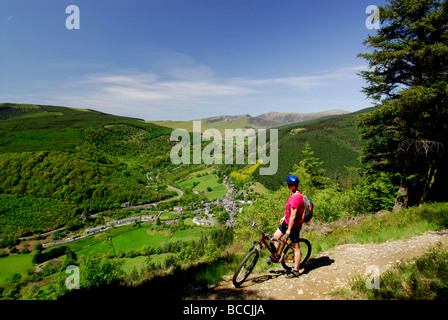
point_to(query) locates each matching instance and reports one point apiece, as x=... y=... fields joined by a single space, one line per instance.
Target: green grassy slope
x=34 y=128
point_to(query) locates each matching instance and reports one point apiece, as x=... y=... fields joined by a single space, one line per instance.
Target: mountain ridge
x=273 y=118
x=263 y=121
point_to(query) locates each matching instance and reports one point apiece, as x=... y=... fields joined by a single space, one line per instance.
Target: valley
x=97 y=191
x=89 y=182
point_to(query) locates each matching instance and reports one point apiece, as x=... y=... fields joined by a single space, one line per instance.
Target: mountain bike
x=285 y=254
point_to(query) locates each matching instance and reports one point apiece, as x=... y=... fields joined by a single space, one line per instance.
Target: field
x=139 y=262
x=132 y=237
x=15 y=263
x=201 y=181
x=123 y=239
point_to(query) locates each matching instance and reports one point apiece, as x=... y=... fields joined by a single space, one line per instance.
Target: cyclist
x=291 y=224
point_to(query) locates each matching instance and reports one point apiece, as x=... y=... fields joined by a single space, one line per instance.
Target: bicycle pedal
x=269 y=261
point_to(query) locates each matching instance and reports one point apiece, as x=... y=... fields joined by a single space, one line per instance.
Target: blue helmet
x=292 y=179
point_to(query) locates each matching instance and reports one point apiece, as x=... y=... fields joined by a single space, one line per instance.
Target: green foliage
x=49 y=254
x=334 y=140
x=312 y=176
x=58 y=163
x=373 y=193
x=24 y=214
x=127 y=140
x=407 y=134
x=171 y=260
x=266 y=212
x=245 y=174
x=206 y=182
x=57 y=128
x=88 y=180
x=98 y=270
x=424 y=278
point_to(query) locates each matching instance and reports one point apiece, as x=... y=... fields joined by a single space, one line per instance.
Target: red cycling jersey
x=295 y=201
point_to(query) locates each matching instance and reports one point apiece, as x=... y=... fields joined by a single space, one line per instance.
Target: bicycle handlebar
x=255 y=226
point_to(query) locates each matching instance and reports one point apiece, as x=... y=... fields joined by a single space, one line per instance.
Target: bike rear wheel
x=245 y=267
x=287 y=259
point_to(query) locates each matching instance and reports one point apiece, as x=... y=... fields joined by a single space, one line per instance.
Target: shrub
x=424 y=278
x=170 y=261
x=97 y=270
x=330 y=204
x=131 y=253
x=40 y=257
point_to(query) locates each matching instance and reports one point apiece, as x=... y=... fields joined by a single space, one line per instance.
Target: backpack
x=308 y=211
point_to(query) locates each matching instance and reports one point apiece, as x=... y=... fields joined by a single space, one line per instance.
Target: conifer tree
x=407 y=134
x=312 y=176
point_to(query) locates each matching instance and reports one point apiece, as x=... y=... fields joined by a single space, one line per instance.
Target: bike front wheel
x=287 y=259
x=245 y=267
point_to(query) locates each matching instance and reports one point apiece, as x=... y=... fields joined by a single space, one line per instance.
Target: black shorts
x=295 y=232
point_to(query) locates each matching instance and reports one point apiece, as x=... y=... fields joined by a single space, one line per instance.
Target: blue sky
x=185 y=59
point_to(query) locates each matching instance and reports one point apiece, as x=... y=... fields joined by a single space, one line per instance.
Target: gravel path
x=328 y=271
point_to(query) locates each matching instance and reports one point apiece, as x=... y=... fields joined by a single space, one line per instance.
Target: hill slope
x=57 y=163
x=32 y=127
x=334 y=140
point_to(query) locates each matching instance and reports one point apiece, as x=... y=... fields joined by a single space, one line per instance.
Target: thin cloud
x=133 y=85
x=306 y=82
x=187 y=83
x=188 y=91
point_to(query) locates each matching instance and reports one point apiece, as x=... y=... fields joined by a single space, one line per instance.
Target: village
x=205 y=215
x=202 y=216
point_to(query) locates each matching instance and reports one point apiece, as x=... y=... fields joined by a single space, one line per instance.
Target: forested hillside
x=58 y=163
x=334 y=140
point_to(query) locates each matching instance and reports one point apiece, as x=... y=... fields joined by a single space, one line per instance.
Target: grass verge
x=398 y=225
x=424 y=278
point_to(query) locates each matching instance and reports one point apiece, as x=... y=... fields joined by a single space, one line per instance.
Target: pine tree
x=312 y=176
x=408 y=78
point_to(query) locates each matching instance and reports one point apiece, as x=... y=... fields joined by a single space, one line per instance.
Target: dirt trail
x=328 y=271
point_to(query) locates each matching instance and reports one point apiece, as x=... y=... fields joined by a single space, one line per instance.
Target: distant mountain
x=263 y=121
x=274 y=119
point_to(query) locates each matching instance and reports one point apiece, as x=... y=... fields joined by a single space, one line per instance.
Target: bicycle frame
x=278 y=256
x=279 y=252
x=264 y=241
